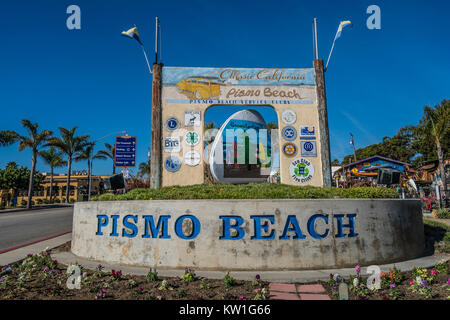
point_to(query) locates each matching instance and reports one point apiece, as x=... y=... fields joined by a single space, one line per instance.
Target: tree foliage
x=434 y=124
x=109 y=152
x=17 y=178
x=414 y=141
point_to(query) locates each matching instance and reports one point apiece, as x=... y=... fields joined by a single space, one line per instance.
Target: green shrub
x=249 y=191
x=23 y=202
x=443 y=213
x=39 y=201
x=56 y=200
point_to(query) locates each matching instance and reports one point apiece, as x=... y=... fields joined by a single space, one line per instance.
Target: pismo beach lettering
x=232 y=227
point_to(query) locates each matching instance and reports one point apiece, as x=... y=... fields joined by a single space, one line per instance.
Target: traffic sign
x=125 y=155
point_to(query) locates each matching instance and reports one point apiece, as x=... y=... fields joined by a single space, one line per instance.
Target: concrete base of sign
x=249 y=234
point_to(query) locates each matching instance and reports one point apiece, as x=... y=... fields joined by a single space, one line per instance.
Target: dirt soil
x=37 y=286
x=40 y=285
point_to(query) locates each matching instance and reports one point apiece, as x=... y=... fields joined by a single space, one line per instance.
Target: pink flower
x=358 y=269
x=242 y=298
x=448 y=281
x=433 y=272
x=411 y=283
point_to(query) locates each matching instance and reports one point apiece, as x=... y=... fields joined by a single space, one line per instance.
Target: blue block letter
x=295 y=227
x=227 y=226
x=114 y=227
x=264 y=226
x=179 y=227
x=101 y=224
x=162 y=223
x=312 y=229
x=130 y=226
x=350 y=225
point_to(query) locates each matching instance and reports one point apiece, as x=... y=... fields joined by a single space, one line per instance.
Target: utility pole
x=323 y=114
x=156 y=152
x=352 y=142
x=156 y=134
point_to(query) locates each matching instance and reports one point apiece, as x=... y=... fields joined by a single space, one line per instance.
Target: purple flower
x=2 y=279
x=448 y=281
x=99 y=267
x=52 y=271
x=358 y=269
x=424 y=283
x=46 y=269
x=392 y=285
x=29 y=255
x=257 y=277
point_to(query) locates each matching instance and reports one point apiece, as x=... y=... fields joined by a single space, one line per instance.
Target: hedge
x=250 y=191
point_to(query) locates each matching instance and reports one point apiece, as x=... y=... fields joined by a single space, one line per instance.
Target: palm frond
x=8 y=137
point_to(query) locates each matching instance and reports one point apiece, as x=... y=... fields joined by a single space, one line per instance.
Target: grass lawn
x=437 y=236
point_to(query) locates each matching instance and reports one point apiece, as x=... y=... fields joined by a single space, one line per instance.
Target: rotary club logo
x=289 y=149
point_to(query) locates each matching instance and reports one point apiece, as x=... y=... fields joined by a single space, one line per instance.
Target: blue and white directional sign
x=125 y=151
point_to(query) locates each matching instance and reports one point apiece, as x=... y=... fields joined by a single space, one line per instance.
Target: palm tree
x=86 y=154
x=34 y=140
x=69 y=144
x=109 y=153
x=54 y=159
x=436 y=121
x=145 y=169
x=7 y=138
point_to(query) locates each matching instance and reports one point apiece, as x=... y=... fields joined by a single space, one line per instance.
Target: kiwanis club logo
x=301 y=170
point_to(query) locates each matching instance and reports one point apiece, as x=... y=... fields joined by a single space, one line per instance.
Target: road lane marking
x=33 y=242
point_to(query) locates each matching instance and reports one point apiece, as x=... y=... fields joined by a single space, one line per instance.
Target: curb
x=33 y=242
x=19 y=253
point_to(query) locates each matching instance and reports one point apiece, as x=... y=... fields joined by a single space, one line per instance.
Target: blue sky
x=93 y=78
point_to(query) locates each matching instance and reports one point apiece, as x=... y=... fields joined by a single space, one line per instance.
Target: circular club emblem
x=289 y=149
x=289 y=133
x=288 y=116
x=301 y=170
x=192 y=158
x=172 y=164
x=308 y=146
x=172 y=124
x=191 y=138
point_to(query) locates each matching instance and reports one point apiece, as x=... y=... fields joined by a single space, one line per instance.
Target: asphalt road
x=21 y=227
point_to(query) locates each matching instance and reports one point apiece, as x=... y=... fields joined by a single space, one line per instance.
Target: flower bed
x=418 y=284
x=40 y=277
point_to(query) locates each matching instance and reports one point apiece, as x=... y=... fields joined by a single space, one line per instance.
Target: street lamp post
x=90 y=177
